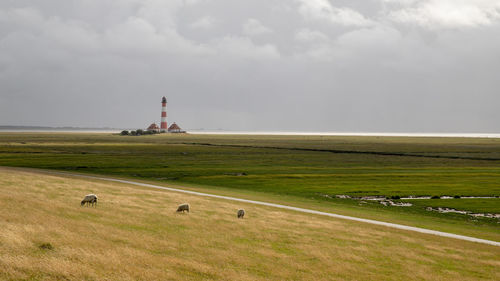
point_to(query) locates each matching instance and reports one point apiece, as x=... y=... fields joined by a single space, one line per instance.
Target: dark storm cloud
x=380 y=65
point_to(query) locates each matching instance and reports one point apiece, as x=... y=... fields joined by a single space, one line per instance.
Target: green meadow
x=298 y=170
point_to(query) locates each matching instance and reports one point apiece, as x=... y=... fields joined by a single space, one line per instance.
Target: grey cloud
x=325 y=10
x=255 y=27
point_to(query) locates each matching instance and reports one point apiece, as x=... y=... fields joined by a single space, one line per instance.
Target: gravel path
x=387 y=224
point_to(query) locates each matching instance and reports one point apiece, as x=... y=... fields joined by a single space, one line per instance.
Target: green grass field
x=135 y=234
x=298 y=170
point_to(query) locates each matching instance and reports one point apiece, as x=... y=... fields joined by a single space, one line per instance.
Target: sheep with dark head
x=183 y=207
x=89 y=199
x=241 y=213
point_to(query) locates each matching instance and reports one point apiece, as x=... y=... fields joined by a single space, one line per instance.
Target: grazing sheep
x=183 y=207
x=241 y=213
x=89 y=199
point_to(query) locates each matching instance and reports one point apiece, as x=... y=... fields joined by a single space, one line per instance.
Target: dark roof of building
x=174 y=127
x=164 y=99
x=153 y=127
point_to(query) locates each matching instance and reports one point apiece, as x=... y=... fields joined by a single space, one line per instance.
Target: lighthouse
x=163 y=125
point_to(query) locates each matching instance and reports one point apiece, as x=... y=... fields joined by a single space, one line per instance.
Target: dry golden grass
x=135 y=234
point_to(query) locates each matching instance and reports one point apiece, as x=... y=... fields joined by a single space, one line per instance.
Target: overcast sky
x=289 y=65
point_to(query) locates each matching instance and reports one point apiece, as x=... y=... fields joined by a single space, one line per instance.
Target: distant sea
x=40 y=129
x=376 y=134
x=57 y=131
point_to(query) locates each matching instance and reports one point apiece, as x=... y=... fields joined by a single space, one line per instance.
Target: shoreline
x=282 y=133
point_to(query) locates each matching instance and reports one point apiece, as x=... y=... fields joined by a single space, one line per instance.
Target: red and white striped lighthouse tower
x=163 y=125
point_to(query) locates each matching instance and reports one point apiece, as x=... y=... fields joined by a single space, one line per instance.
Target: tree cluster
x=138 y=132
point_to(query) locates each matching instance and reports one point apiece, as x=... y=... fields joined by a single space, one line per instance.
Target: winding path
x=309 y=211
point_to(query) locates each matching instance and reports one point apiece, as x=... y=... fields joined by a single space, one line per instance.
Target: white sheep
x=183 y=207
x=89 y=199
x=241 y=213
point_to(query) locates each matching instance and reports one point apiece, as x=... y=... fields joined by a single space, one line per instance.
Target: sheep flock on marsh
x=91 y=199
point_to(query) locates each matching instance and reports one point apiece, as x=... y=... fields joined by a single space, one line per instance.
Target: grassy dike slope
x=134 y=234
